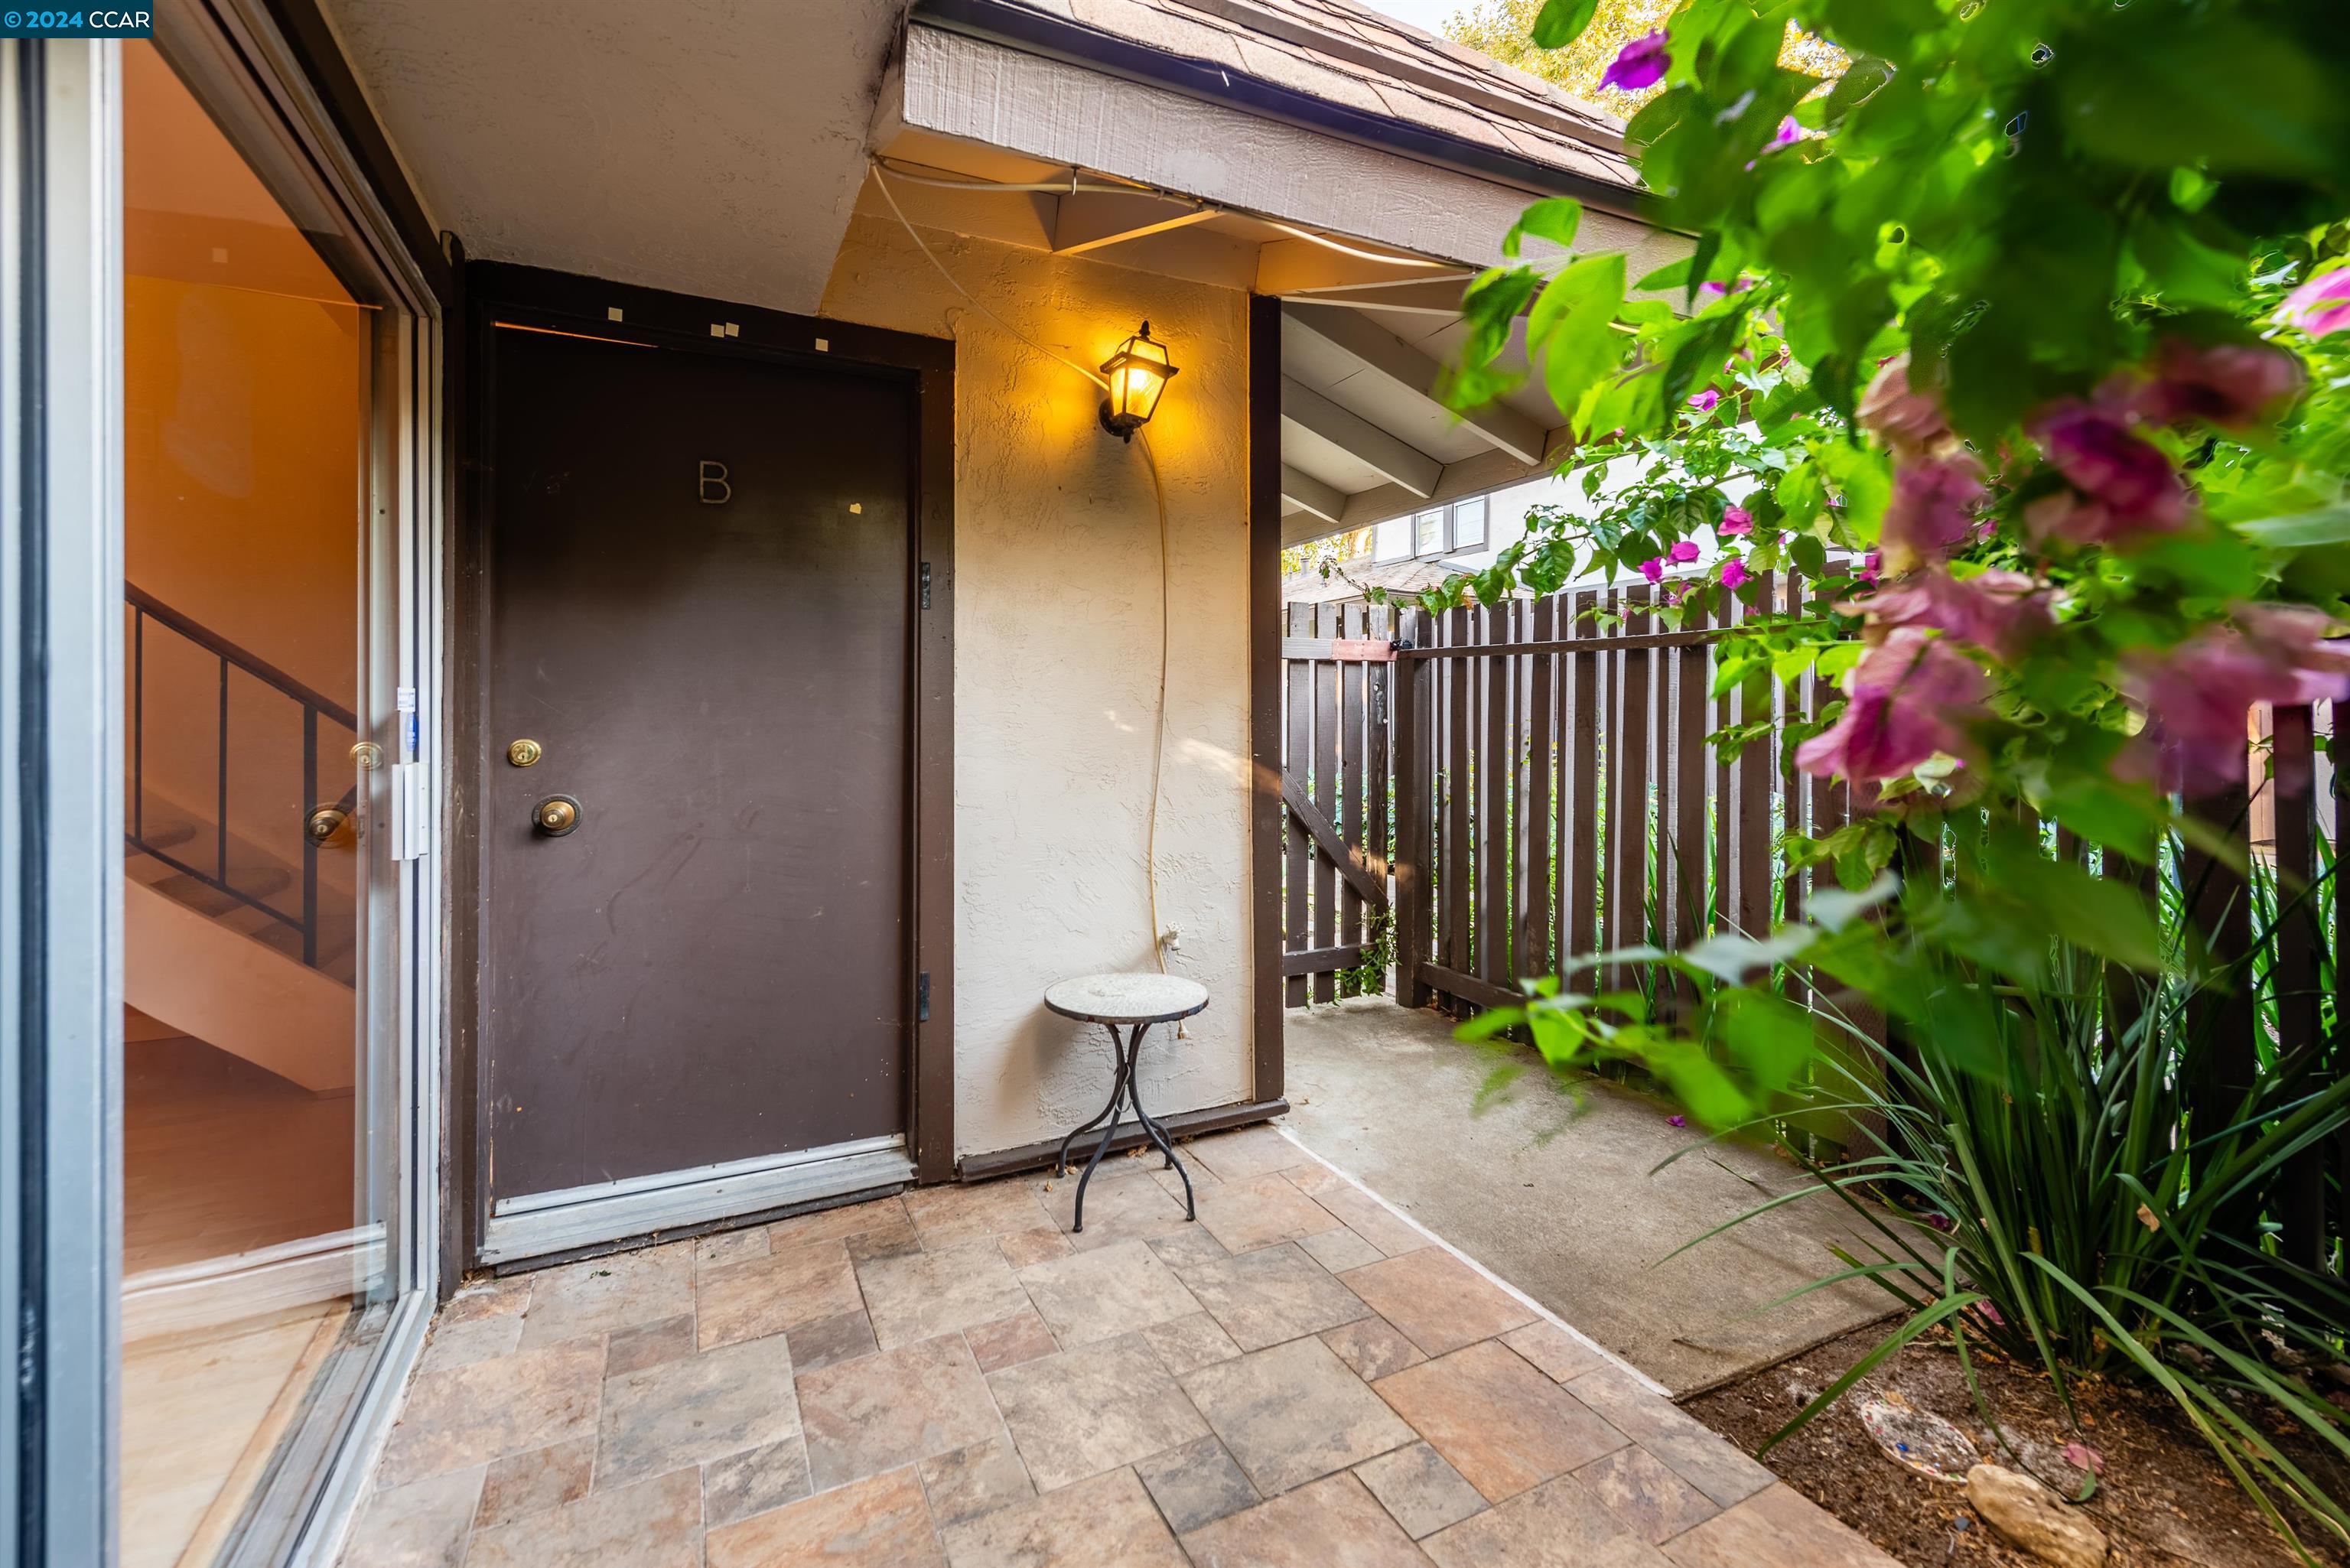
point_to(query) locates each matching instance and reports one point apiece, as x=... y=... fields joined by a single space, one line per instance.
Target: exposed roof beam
x=1366 y=443
x=1088 y=220
x=1384 y=355
x=1300 y=266
x=1302 y=527
x=1428 y=298
x=1327 y=502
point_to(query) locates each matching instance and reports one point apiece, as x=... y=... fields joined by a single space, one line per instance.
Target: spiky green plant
x=2083 y=1196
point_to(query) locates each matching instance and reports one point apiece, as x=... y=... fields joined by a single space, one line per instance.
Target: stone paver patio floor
x=950 y=1379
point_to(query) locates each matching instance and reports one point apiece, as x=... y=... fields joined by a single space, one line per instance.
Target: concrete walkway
x=1566 y=1210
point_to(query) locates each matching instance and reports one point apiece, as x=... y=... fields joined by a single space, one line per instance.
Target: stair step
x=206 y=900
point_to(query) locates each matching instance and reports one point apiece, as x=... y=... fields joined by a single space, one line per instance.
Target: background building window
x=1469 y=523
x=1449 y=529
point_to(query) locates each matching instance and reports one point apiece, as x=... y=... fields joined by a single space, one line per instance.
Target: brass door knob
x=324 y=823
x=556 y=815
x=523 y=753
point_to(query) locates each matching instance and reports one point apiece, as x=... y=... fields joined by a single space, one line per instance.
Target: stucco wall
x=1056 y=610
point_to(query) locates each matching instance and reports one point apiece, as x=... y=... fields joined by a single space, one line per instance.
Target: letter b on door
x=715 y=491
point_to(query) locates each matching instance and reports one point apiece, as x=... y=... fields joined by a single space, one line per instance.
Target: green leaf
x=1838 y=659
x=2106 y=917
x=1554 y=218
x=1572 y=326
x=1771 y=1036
x=2326 y=525
x=1835 y=909
x=1856 y=87
x=1562 y=21
x=2225 y=91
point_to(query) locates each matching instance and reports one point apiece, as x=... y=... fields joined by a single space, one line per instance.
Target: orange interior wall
x=245 y=404
x=242 y=481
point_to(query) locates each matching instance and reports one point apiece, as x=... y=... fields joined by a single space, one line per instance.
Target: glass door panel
x=259 y=1111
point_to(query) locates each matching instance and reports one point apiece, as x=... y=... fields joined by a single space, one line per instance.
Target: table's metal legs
x=1124 y=1088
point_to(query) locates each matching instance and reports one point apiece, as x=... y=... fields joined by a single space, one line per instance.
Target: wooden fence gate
x=1335 y=673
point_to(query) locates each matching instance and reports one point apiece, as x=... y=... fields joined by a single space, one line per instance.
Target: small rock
x=2028 y=1516
x=1918 y=1439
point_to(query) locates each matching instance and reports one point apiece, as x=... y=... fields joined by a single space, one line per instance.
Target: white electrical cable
x=1070 y=187
x=1328 y=243
x=881 y=177
x=1159 y=742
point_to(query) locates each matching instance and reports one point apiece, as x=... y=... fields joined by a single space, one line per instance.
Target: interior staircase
x=249 y=946
x=263 y=878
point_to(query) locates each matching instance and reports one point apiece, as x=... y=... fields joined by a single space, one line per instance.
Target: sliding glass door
x=273 y=1064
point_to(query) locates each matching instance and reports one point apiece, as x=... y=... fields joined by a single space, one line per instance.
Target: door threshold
x=540 y=1223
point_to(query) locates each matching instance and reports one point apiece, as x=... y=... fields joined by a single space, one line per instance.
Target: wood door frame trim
x=1266 y=815
x=495 y=291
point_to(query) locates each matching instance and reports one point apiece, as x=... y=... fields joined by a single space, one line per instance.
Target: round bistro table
x=1136 y=1002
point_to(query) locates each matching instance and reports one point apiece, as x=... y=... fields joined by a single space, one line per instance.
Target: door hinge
x=922 y=997
x=926 y=585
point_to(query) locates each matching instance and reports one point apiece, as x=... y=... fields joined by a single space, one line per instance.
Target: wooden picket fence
x=1555 y=796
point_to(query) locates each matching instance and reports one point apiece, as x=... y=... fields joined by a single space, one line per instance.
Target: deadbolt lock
x=522 y=753
x=324 y=823
x=556 y=815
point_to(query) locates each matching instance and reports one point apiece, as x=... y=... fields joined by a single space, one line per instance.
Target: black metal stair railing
x=313 y=705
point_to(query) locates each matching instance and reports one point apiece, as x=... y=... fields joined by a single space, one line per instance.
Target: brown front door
x=700 y=574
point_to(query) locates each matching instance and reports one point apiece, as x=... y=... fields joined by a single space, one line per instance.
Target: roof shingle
x=1349 y=55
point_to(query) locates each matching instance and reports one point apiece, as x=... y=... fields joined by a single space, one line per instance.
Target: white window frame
x=1448 y=541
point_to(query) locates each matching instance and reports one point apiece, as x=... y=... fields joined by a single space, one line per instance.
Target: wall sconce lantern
x=1137 y=374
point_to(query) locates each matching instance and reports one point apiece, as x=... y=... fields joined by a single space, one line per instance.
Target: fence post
x=2301 y=1025
x=1415 y=787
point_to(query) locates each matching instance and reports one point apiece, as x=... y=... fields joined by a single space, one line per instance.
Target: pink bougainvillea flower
x=1934 y=502
x=1788 y=131
x=1703 y=403
x=2000 y=611
x=2065 y=515
x=1903 y=417
x=1653 y=570
x=1683 y=550
x=2082 y=1457
x=2195 y=695
x=2122 y=482
x=2299 y=638
x=1736 y=520
x=1912 y=697
x=1991 y=1314
x=1734 y=573
x=2235 y=386
x=1870 y=565
x=1639 y=65
x=1677 y=1120
x=2321 y=305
